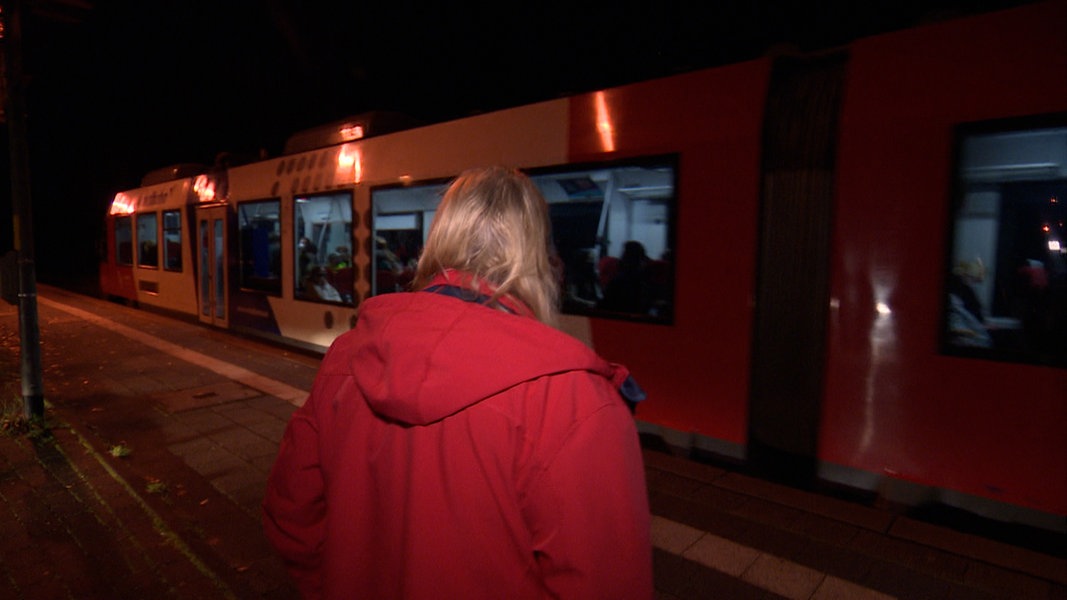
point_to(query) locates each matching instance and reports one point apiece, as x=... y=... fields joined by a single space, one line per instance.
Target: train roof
x=172 y=172
x=356 y=127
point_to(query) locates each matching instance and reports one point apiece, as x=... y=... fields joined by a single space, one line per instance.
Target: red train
x=844 y=267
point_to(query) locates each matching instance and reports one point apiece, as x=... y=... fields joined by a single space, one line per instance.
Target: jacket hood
x=418 y=357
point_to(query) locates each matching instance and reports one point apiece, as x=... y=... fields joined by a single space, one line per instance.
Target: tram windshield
x=1006 y=277
x=612 y=225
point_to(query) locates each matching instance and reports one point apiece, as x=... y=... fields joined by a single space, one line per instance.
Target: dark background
x=118 y=88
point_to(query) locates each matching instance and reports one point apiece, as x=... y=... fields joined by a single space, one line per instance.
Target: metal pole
x=32 y=387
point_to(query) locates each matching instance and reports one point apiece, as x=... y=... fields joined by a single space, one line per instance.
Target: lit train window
x=260 y=250
x=124 y=241
x=323 y=247
x=1006 y=274
x=400 y=223
x=147 y=240
x=613 y=229
x=172 y=240
x=612 y=225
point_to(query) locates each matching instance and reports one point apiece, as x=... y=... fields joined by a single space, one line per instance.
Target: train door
x=211 y=267
x=793 y=267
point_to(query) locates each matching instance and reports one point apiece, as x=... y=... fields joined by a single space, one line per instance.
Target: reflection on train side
x=613 y=227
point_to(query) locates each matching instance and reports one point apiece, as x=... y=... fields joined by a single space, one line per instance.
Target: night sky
x=118 y=88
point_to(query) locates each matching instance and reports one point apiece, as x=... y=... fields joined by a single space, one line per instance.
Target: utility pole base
x=33 y=407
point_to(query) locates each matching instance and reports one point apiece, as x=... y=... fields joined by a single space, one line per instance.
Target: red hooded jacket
x=452 y=450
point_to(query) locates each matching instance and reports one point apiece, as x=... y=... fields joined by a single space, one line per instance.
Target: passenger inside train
x=595 y=214
x=318 y=287
x=967 y=321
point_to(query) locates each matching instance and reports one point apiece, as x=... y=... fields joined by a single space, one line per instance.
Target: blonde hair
x=973 y=270
x=493 y=224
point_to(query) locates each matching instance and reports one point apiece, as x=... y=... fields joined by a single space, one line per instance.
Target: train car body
x=896 y=403
x=149 y=245
x=797 y=221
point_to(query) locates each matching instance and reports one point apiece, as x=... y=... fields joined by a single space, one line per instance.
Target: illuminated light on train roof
x=355 y=127
x=122 y=205
x=1054 y=246
x=882 y=308
x=604 y=124
x=204 y=188
x=405 y=179
x=351 y=131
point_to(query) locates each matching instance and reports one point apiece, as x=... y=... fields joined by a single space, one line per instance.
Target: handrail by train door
x=211 y=272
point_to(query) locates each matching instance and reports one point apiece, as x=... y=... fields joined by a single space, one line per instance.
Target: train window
x=1006 y=274
x=124 y=241
x=147 y=240
x=172 y=240
x=260 y=258
x=613 y=228
x=323 y=238
x=612 y=224
x=401 y=219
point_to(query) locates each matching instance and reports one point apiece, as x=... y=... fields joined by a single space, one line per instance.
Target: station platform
x=146 y=483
